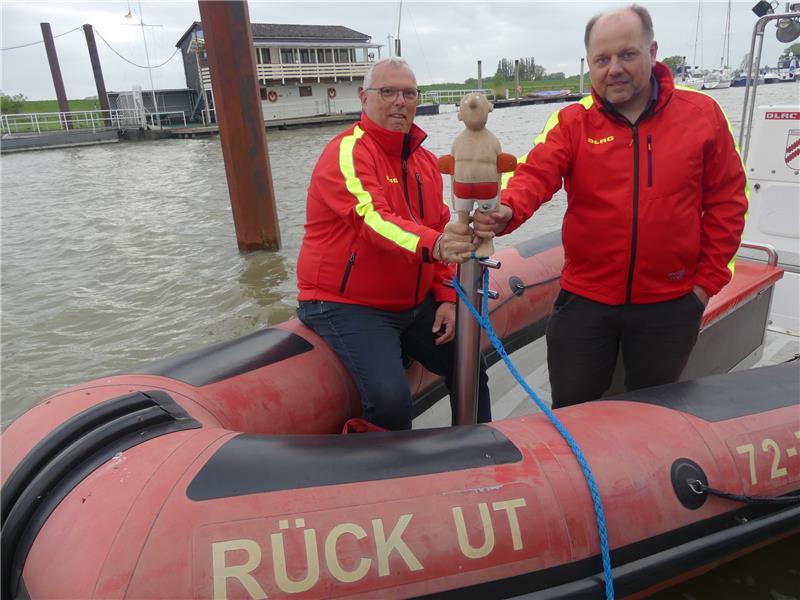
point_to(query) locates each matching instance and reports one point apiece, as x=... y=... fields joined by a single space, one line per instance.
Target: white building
x=302 y=70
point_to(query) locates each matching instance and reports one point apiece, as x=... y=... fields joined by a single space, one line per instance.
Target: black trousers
x=584 y=338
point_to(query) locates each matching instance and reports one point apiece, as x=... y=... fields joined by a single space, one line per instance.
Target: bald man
x=656 y=198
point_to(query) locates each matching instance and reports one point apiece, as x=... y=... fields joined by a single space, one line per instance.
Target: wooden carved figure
x=476 y=164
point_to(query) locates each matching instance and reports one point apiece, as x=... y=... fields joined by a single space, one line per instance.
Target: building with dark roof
x=302 y=70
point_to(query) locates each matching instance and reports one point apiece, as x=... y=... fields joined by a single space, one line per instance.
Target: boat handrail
x=771 y=251
x=752 y=77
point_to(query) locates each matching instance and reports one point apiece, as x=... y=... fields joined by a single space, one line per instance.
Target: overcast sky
x=441 y=40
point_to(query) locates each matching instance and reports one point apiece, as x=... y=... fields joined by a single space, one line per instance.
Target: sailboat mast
x=697 y=27
x=397 y=37
x=726 y=42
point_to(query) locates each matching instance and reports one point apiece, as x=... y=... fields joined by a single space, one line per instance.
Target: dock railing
x=451 y=96
x=84 y=120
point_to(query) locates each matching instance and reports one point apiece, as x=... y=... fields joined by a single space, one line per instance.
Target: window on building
x=287 y=56
x=306 y=55
x=342 y=55
x=325 y=55
x=263 y=56
x=361 y=55
x=305 y=91
x=263 y=91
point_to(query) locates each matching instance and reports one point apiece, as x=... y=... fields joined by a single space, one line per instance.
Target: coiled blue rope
x=587 y=472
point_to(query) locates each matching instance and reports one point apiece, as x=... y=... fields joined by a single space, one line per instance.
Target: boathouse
x=302 y=70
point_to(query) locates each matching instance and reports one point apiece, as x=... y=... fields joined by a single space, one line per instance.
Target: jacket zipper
x=635 y=231
x=404 y=165
x=649 y=160
x=411 y=212
x=405 y=190
x=418 y=177
x=350 y=262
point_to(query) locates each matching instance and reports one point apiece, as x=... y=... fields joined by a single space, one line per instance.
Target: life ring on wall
x=272 y=96
x=331 y=93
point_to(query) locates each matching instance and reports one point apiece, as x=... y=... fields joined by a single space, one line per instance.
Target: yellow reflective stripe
x=732 y=262
x=586 y=102
x=365 y=208
x=551 y=122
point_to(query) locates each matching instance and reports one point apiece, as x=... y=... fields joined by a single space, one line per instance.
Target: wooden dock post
x=100 y=84
x=55 y=70
x=237 y=105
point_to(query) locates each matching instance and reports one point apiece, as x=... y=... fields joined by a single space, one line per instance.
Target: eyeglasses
x=389 y=93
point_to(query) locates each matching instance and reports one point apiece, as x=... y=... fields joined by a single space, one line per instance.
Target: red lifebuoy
x=331 y=92
x=272 y=96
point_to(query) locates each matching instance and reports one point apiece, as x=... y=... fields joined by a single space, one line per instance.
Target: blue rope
x=587 y=472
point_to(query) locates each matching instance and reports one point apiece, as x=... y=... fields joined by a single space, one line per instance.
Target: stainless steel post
x=753 y=68
x=581 y=88
x=468 y=346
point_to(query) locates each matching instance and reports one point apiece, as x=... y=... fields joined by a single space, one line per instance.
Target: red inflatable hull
x=180 y=482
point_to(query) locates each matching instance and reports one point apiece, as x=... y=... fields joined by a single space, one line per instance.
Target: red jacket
x=652 y=208
x=373 y=214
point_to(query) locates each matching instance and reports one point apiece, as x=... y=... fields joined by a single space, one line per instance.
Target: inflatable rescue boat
x=221 y=474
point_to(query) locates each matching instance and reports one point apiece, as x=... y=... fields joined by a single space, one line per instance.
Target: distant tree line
x=11 y=104
x=528 y=69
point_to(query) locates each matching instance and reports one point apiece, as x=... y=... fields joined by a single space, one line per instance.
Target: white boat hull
x=774 y=211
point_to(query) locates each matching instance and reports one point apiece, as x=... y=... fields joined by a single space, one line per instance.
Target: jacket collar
x=393 y=143
x=663 y=85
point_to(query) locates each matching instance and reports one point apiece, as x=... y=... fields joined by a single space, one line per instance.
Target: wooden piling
x=237 y=104
x=100 y=84
x=55 y=70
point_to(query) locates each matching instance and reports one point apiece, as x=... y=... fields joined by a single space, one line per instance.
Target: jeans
x=584 y=337
x=371 y=343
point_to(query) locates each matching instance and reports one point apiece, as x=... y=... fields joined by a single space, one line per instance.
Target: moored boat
x=741 y=81
x=179 y=480
x=482 y=511
x=188 y=478
x=717 y=80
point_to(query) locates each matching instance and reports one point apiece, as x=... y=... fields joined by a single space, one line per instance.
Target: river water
x=116 y=255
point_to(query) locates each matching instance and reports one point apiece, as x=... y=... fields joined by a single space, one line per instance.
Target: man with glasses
x=373 y=261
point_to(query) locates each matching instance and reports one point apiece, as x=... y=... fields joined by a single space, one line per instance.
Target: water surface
x=116 y=255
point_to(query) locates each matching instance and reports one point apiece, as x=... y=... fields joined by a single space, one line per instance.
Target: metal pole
x=583 y=60
x=480 y=77
x=397 y=38
x=102 y=97
x=468 y=346
x=237 y=106
x=753 y=66
x=149 y=70
x=55 y=70
x=516 y=78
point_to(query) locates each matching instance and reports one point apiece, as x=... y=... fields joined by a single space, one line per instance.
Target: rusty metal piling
x=55 y=70
x=237 y=106
x=100 y=84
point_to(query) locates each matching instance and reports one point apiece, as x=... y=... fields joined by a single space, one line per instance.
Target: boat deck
x=510 y=400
